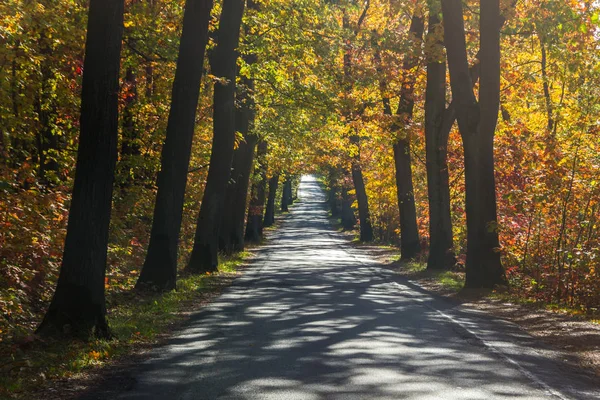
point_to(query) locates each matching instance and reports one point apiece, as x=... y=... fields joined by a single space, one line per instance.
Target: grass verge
x=137 y=320
x=449 y=282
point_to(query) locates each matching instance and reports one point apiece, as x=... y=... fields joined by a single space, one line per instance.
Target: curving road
x=316 y=319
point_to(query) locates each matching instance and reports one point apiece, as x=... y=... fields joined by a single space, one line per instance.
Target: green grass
x=136 y=320
x=448 y=280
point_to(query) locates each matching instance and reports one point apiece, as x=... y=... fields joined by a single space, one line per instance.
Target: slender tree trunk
x=149 y=89
x=477 y=124
x=160 y=266
x=204 y=257
x=364 y=216
x=286 y=194
x=270 y=210
x=410 y=244
x=441 y=253
x=47 y=140
x=546 y=86
x=366 y=229
x=129 y=146
x=254 y=226
x=78 y=306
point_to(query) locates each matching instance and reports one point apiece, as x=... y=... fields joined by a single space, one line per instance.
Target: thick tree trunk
x=204 y=257
x=160 y=266
x=78 y=306
x=366 y=230
x=270 y=210
x=254 y=226
x=231 y=234
x=437 y=129
x=286 y=194
x=477 y=124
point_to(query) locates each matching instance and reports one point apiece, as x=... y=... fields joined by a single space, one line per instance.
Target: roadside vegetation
x=139 y=320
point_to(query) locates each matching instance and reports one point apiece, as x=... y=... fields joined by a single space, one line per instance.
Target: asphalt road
x=314 y=318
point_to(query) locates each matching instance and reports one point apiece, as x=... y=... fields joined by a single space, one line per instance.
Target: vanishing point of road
x=314 y=318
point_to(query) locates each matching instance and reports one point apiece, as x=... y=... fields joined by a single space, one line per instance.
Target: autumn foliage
x=546 y=144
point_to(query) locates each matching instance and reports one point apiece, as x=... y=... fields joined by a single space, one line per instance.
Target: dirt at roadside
x=575 y=338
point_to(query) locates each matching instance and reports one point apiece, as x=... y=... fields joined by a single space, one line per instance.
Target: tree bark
x=410 y=244
x=366 y=229
x=477 y=124
x=441 y=253
x=231 y=235
x=286 y=194
x=160 y=266
x=130 y=149
x=78 y=306
x=254 y=226
x=204 y=257
x=47 y=139
x=270 y=210
x=364 y=216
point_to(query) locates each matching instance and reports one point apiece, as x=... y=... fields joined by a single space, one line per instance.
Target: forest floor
x=575 y=337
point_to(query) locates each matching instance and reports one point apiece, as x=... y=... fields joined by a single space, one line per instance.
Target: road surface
x=314 y=318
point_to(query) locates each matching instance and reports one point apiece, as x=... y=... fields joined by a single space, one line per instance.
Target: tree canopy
x=363 y=93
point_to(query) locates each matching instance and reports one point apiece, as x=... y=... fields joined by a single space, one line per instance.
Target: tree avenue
x=203 y=117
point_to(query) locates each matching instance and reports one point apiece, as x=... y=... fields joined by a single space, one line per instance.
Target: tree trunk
x=270 y=210
x=254 y=226
x=410 y=244
x=441 y=253
x=204 y=257
x=477 y=124
x=47 y=140
x=286 y=194
x=78 y=306
x=366 y=230
x=129 y=146
x=160 y=266
x=231 y=235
